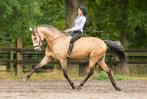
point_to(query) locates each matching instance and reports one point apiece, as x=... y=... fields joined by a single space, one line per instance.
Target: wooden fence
x=17 y=58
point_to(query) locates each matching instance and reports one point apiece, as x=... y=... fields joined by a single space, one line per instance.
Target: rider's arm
x=79 y=24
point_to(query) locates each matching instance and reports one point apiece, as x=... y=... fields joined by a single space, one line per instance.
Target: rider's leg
x=73 y=39
x=70 y=49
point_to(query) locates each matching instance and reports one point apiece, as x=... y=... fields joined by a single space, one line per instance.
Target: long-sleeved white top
x=79 y=23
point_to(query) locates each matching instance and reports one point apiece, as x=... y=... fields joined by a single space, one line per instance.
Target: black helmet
x=83 y=9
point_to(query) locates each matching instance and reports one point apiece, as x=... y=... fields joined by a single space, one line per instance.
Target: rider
x=77 y=30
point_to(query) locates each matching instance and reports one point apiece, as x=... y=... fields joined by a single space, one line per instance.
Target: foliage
x=53 y=13
x=18 y=15
x=104 y=76
x=109 y=16
x=107 y=19
x=138 y=23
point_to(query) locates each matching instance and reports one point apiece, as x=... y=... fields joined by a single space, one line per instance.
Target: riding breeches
x=75 y=36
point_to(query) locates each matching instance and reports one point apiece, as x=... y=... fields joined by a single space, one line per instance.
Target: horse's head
x=37 y=38
x=41 y=32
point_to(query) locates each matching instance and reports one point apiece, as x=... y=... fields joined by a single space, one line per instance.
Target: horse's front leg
x=63 y=63
x=43 y=62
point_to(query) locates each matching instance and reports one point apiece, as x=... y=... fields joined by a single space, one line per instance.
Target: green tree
x=123 y=20
x=119 y=20
x=53 y=13
x=17 y=16
x=138 y=23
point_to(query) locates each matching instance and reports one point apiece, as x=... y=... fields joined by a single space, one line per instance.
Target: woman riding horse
x=57 y=45
x=77 y=31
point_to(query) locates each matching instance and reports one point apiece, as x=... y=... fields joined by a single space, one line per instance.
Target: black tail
x=117 y=49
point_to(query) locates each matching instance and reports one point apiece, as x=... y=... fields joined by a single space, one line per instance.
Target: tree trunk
x=124 y=23
x=124 y=31
x=71 y=11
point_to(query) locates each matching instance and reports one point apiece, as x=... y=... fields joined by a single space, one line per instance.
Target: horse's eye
x=35 y=38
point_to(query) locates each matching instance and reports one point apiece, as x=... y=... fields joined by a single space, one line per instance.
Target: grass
x=58 y=75
x=49 y=75
x=104 y=76
x=55 y=75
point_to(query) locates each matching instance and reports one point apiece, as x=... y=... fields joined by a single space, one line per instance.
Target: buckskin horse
x=57 y=46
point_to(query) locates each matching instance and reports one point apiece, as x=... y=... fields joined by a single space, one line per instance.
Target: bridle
x=36 y=31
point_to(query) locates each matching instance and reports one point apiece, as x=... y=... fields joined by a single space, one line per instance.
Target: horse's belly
x=80 y=52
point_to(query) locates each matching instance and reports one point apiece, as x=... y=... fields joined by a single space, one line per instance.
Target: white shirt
x=79 y=23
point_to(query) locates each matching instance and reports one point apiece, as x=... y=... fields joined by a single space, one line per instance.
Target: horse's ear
x=30 y=29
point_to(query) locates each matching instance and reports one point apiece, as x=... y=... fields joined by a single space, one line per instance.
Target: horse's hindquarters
x=86 y=46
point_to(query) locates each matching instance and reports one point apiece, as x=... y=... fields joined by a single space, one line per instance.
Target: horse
x=57 y=45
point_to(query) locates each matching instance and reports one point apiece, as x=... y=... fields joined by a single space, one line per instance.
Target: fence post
x=82 y=69
x=19 y=67
x=11 y=58
x=122 y=68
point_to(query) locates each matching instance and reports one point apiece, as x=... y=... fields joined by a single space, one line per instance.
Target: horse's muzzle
x=37 y=49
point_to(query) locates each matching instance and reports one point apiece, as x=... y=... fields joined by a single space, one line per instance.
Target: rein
x=56 y=38
x=49 y=40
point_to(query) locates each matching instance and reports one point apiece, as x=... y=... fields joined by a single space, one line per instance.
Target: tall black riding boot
x=70 y=50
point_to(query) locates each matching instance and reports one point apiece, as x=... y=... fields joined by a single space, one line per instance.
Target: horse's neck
x=54 y=35
x=49 y=35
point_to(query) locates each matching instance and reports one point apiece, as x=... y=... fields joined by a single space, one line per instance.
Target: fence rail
x=134 y=56
x=21 y=56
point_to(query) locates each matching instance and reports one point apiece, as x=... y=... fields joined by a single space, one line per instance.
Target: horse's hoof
x=78 y=88
x=24 y=79
x=73 y=88
x=117 y=89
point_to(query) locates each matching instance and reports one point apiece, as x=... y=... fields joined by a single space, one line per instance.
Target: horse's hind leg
x=105 y=68
x=43 y=62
